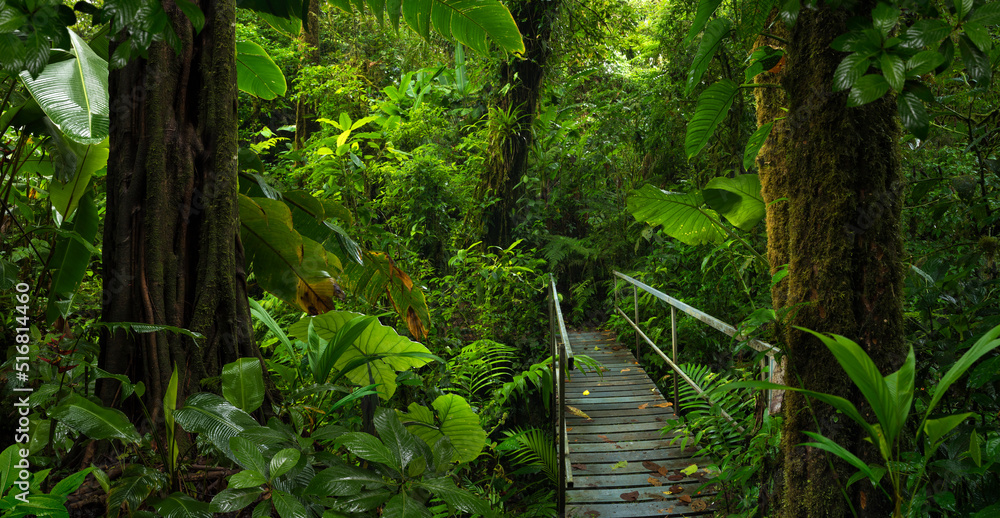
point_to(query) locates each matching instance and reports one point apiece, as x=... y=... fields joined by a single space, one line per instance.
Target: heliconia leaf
x=867 y=89
x=71 y=483
x=66 y=196
x=74 y=93
x=737 y=199
x=682 y=215
x=243 y=383
x=716 y=31
x=936 y=429
x=713 y=106
x=93 y=420
x=256 y=73
x=70 y=258
x=754 y=143
x=705 y=10
x=825 y=443
x=457 y=421
x=913 y=114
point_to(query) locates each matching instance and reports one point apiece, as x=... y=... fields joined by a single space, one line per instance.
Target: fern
x=538 y=375
x=534 y=448
x=480 y=366
x=560 y=247
x=703 y=421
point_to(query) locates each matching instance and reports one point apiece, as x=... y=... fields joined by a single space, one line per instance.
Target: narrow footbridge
x=614 y=462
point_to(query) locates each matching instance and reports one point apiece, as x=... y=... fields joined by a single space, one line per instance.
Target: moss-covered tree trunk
x=172 y=253
x=839 y=233
x=512 y=117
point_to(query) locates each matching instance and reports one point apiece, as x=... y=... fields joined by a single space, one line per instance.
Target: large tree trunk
x=172 y=253
x=839 y=233
x=510 y=137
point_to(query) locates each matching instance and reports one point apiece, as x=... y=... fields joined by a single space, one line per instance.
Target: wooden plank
x=648 y=509
x=592 y=491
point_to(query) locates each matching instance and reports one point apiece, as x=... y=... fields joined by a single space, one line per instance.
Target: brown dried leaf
x=643 y=406
x=685 y=498
x=675 y=478
x=630 y=497
x=579 y=466
x=654 y=481
x=655 y=496
x=699 y=505
x=665 y=404
x=676 y=489
x=577 y=412
x=662 y=471
x=650 y=465
x=624 y=370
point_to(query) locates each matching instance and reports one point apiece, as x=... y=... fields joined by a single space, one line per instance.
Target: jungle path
x=622 y=466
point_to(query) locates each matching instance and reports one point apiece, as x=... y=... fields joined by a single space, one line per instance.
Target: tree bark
x=511 y=136
x=839 y=233
x=172 y=253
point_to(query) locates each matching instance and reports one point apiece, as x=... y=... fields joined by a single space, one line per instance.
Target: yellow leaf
x=690 y=469
x=316 y=298
x=619 y=464
x=577 y=412
x=643 y=406
x=625 y=370
x=586 y=392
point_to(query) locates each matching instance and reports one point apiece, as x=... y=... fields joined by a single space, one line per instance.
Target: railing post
x=635 y=298
x=673 y=343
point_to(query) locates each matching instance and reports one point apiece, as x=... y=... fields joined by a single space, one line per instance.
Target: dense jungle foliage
x=313 y=280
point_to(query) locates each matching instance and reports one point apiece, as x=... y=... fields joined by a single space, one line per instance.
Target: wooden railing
x=562 y=362
x=675 y=304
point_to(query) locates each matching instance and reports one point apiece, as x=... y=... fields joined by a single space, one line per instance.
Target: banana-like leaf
x=712 y=108
x=169 y=405
x=683 y=216
x=472 y=22
x=66 y=196
x=378 y=348
x=93 y=420
x=737 y=199
x=179 y=505
x=294 y=268
x=256 y=73
x=74 y=93
x=457 y=421
x=71 y=258
x=214 y=417
x=243 y=384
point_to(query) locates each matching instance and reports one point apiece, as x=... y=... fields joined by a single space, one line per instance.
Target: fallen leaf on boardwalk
x=636 y=363
x=665 y=404
x=643 y=406
x=577 y=412
x=586 y=392
x=654 y=496
x=662 y=471
x=690 y=469
x=654 y=481
x=685 y=498
x=676 y=489
x=630 y=497
x=675 y=478
x=591 y=514
x=619 y=464
x=569 y=428
x=624 y=370
x=596 y=348
x=699 y=505
x=650 y=465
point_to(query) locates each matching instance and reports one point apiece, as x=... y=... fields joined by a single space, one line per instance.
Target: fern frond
x=532 y=447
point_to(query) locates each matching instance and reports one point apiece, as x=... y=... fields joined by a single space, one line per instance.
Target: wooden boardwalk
x=622 y=466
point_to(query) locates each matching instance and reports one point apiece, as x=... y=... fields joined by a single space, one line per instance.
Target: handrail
x=562 y=362
x=675 y=304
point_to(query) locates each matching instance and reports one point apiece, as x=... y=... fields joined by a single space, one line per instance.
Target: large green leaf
x=93 y=420
x=368 y=447
x=913 y=114
x=243 y=383
x=294 y=268
x=402 y=506
x=71 y=257
x=713 y=106
x=455 y=419
x=737 y=199
x=457 y=498
x=232 y=500
x=985 y=344
x=179 y=505
x=716 y=31
x=74 y=93
x=215 y=418
x=474 y=23
x=256 y=73
x=705 y=10
x=682 y=215
x=66 y=196
x=378 y=348
x=401 y=443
